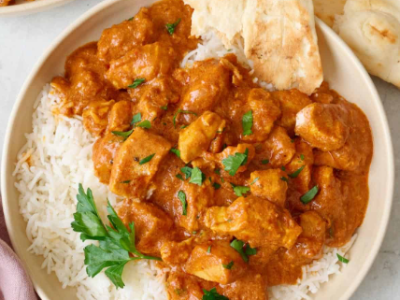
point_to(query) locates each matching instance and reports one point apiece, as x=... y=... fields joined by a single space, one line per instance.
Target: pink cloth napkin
x=15 y=283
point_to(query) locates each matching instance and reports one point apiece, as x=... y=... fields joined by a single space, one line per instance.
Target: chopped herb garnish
x=342 y=259
x=283 y=168
x=244 y=250
x=292 y=140
x=301 y=156
x=233 y=162
x=146 y=159
x=179 y=176
x=171 y=27
x=209 y=249
x=130 y=19
x=184 y=126
x=125 y=182
x=217 y=171
x=124 y=134
x=197 y=176
x=116 y=241
x=136 y=118
x=247 y=123
x=194 y=232
x=240 y=190
x=296 y=173
x=165 y=107
x=182 y=197
x=178 y=291
x=284 y=179
x=228 y=266
x=216 y=185
x=136 y=83
x=213 y=295
x=180 y=111
x=307 y=197
x=187 y=171
x=145 y=124
x=176 y=152
x=255 y=180
x=331 y=232
x=265 y=161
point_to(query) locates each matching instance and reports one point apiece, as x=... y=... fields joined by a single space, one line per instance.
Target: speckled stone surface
x=23 y=40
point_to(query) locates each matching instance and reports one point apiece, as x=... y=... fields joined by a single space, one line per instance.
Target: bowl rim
x=340 y=43
x=30 y=7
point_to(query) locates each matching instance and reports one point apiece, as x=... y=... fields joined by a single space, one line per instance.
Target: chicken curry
x=234 y=187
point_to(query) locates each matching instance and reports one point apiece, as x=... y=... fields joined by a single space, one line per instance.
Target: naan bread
x=326 y=10
x=279 y=37
x=372 y=29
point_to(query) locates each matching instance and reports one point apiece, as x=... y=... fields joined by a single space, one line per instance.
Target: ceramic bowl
x=341 y=69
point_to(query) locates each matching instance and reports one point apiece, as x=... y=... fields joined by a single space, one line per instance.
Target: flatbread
x=279 y=37
x=326 y=10
x=372 y=29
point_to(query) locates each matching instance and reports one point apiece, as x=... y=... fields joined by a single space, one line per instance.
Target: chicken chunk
x=292 y=101
x=265 y=110
x=207 y=84
x=95 y=116
x=269 y=185
x=324 y=126
x=220 y=263
x=136 y=163
x=176 y=253
x=356 y=152
x=197 y=137
x=183 y=286
x=120 y=116
x=278 y=149
x=256 y=221
x=142 y=62
x=198 y=199
x=152 y=225
x=116 y=41
x=104 y=151
x=300 y=167
x=251 y=286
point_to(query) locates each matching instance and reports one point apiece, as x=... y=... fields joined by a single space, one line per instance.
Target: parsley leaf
x=171 y=27
x=244 y=250
x=233 y=162
x=197 y=176
x=255 y=180
x=284 y=179
x=176 y=152
x=187 y=171
x=115 y=244
x=213 y=295
x=209 y=249
x=216 y=185
x=146 y=159
x=136 y=118
x=228 y=266
x=247 y=123
x=240 y=190
x=136 y=83
x=307 y=197
x=145 y=124
x=342 y=259
x=297 y=172
x=265 y=161
x=165 y=107
x=302 y=156
x=182 y=198
x=124 y=134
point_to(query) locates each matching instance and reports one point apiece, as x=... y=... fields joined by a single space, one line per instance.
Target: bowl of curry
x=229 y=190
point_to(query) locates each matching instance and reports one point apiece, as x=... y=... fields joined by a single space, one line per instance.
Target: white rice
x=57 y=157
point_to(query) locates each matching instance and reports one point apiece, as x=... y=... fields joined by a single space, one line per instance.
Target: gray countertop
x=23 y=40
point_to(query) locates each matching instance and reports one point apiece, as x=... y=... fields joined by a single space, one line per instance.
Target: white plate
x=22 y=7
x=341 y=68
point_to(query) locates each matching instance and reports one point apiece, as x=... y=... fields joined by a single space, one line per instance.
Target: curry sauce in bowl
x=227 y=187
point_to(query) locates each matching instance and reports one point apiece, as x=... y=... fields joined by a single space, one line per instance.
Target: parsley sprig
x=171 y=26
x=116 y=243
x=233 y=162
x=247 y=123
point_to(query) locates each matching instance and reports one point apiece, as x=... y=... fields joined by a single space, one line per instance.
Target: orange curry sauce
x=295 y=143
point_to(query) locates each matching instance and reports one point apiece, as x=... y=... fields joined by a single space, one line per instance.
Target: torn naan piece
x=372 y=29
x=280 y=38
x=326 y=10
